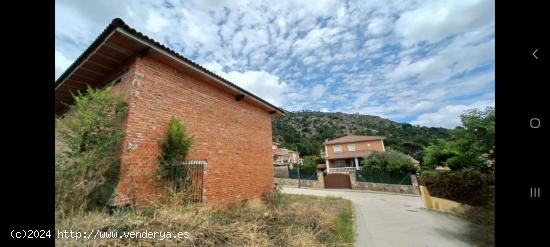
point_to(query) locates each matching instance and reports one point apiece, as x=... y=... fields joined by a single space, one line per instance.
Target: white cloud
x=156 y=22
x=449 y=116
x=437 y=19
x=263 y=84
x=61 y=63
x=356 y=56
x=379 y=25
x=317 y=91
x=373 y=45
x=315 y=39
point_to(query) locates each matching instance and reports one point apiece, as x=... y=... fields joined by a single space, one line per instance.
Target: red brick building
x=232 y=127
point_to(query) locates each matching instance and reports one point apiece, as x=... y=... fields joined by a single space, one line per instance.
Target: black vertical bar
x=197 y=183
x=202 y=180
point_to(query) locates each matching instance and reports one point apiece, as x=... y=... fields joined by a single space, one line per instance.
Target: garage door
x=337 y=181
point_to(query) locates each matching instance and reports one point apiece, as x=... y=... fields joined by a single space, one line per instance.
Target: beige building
x=283 y=156
x=345 y=153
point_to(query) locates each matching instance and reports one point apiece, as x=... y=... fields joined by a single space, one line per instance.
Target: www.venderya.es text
x=96 y=234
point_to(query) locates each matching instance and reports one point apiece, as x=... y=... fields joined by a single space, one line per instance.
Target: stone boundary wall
x=355 y=185
x=319 y=183
x=395 y=188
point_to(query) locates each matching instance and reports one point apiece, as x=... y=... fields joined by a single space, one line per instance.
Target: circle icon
x=534 y=123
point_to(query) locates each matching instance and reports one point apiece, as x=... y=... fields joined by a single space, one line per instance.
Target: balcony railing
x=341 y=169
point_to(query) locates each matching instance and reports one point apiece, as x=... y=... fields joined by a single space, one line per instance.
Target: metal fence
x=305 y=174
x=379 y=176
x=193 y=178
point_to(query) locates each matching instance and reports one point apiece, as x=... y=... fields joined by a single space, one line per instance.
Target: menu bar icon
x=534 y=192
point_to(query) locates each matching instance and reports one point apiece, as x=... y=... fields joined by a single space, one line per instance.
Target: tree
x=390 y=161
x=479 y=130
x=175 y=148
x=437 y=154
x=472 y=146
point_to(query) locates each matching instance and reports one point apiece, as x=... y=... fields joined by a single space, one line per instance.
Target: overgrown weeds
x=299 y=221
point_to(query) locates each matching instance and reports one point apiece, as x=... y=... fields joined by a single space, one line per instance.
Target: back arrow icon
x=534 y=54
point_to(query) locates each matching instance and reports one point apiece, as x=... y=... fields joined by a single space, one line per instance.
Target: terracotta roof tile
x=353 y=138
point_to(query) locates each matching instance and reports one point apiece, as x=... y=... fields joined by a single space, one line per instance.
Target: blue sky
x=422 y=62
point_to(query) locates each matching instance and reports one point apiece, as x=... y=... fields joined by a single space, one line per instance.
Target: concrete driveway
x=386 y=219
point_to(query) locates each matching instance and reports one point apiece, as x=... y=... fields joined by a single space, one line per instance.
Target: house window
x=338 y=148
x=351 y=147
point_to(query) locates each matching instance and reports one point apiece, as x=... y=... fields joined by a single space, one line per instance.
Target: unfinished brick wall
x=233 y=136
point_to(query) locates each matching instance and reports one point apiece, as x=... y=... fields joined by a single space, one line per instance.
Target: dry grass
x=297 y=221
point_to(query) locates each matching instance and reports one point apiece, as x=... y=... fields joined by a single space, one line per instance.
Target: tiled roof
x=351 y=154
x=353 y=138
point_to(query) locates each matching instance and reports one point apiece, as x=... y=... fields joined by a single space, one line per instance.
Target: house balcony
x=342 y=169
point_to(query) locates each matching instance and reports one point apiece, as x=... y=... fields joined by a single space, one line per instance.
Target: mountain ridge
x=305 y=131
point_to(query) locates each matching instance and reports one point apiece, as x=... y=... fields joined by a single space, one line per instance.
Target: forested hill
x=306 y=131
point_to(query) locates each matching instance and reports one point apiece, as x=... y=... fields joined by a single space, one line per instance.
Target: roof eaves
x=112 y=26
x=337 y=141
x=119 y=23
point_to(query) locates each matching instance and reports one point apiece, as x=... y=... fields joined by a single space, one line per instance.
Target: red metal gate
x=337 y=181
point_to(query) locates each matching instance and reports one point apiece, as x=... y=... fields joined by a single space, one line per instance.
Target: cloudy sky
x=422 y=62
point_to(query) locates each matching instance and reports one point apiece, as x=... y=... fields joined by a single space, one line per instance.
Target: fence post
x=414 y=182
x=299 y=179
x=353 y=180
x=320 y=179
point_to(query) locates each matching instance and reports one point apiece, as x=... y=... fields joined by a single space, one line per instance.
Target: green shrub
x=86 y=172
x=429 y=173
x=467 y=186
x=175 y=147
x=466 y=159
x=437 y=154
x=275 y=198
x=390 y=161
x=311 y=161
